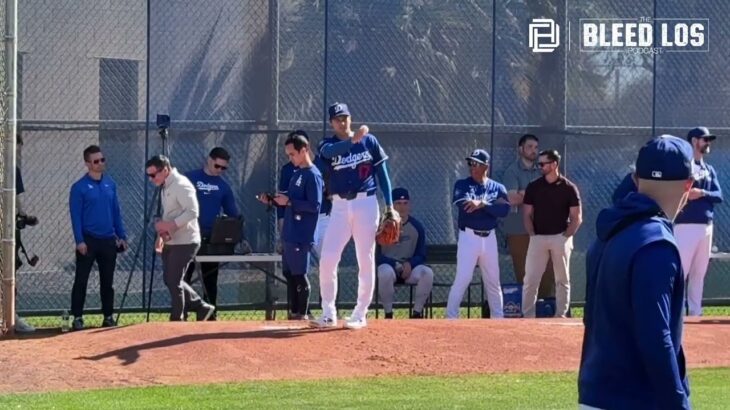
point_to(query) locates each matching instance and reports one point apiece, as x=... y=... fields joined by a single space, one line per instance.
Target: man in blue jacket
x=214 y=194
x=632 y=348
x=693 y=227
x=98 y=231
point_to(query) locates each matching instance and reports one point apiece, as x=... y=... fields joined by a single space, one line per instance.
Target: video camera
x=23 y=220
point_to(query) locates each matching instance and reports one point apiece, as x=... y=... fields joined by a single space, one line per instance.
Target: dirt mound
x=191 y=353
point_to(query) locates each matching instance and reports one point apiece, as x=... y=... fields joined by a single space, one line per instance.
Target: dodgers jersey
x=702 y=210
x=213 y=193
x=352 y=171
x=483 y=219
x=285 y=176
x=305 y=199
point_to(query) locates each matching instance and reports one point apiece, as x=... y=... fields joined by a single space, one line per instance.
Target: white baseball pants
x=557 y=248
x=472 y=249
x=357 y=219
x=695 y=244
x=322 y=222
x=421 y=276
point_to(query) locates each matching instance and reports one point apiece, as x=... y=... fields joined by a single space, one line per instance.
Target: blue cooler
x=512 y=295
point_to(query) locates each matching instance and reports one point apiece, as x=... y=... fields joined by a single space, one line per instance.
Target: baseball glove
x=389 y=228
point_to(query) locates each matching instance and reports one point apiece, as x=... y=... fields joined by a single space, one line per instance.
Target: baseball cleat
x=355 y=324
x=323 y=322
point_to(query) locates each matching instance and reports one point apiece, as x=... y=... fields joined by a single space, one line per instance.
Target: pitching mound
x=190 y=353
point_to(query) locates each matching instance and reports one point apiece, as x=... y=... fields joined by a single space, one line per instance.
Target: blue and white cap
x=665 y=158
x=338 y=109
x=479 y=155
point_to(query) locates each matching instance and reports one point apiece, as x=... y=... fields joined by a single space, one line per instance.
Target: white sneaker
x=355 y=324
x=323 y=322
x=22 y=326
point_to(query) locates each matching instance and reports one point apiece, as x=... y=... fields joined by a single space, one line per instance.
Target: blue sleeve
x=331 y=149
x=76 y=206
x=382 y=259
x=499 y=210
x=419 y=255
x=714 y=194
x=118 y=222
x=460 y=193
x=19 y=186
x=655 y=268
x=384 y=182
x=376 y=150
x=229 y=202
x=313 y=195
x=624 y=188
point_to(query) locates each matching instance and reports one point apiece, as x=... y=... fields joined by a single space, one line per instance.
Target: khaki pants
x=542 y=248
x=517 y=245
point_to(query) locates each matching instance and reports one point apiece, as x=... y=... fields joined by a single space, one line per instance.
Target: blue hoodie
x=632 y=348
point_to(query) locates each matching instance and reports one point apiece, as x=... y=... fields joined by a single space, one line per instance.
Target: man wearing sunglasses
x=214 y=194
x=693 y=226
x=98 y=230
x=178 y=237
x=480 y=201
x=552 y=215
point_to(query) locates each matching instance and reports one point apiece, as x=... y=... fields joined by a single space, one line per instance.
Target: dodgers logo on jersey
x=207 y=188
x=299 y=181
x=351 y=161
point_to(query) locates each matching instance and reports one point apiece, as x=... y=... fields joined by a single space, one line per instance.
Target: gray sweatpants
x=175 y=260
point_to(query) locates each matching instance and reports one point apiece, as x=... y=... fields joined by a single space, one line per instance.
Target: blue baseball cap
x=480 y=156
x=400 y=194
x=665 y=158
x=338 y=109
x=700 y=132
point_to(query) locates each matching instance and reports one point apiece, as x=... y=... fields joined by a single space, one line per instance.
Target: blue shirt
x=485 y=218
x=285 y=176
x=411 y=246
x=626 y=186
x=702 y=210
x=351 y=167
x=305 y=199
x=632 y=355
x=94 y=208
x=213 y=193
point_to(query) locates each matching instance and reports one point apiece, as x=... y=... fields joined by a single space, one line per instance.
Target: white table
x=274 y=258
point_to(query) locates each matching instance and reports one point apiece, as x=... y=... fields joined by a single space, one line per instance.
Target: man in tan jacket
x=178 y=237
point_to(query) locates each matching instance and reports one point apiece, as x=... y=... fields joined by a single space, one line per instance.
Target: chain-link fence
x=433 y=79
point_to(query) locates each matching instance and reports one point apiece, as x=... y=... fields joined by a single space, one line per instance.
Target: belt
x=483 y=234
x=349 y=196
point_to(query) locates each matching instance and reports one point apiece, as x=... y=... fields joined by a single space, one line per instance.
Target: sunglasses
x=217 y=166
x=153 y=175
x=473 y=164
x=97 y=161
x=544 y=164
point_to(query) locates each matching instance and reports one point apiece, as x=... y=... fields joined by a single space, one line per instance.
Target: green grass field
x=502 y=391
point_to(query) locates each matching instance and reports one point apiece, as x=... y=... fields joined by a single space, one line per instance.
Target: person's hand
x=696 y=193
x=281 y=199
x=406 y=271
x=165 y=226
x=121 y=243
x=360 y=134
x=82 y=248
x=159 y=244
x=473 y=205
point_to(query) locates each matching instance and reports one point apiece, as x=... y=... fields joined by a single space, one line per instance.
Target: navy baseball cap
x=700 y=132
x=480 y=156
x=338 y=109
x=400 y=194
x=665 y=158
